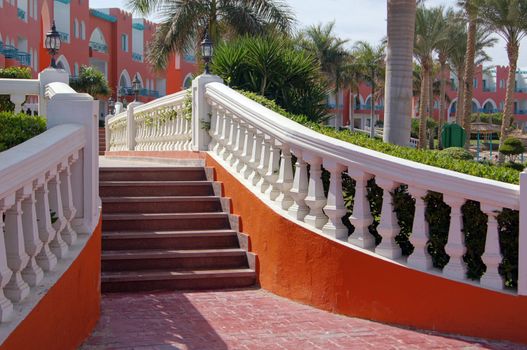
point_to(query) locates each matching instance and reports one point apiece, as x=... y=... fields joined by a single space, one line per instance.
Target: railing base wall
x=70 y=309
x=301 y=265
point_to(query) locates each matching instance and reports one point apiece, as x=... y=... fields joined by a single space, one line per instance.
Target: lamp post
x=52 y=44
x=207 y=50
x=111 y=106
x=136 y=86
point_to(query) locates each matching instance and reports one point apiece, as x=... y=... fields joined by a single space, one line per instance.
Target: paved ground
x=249 y=320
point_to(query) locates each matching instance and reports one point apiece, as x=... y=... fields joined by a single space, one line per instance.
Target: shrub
x=512 y=147
x=12 y=73
x=274 y=68
x=91 y=81
x=457 y=153
x=17 y=128
x=430 y=124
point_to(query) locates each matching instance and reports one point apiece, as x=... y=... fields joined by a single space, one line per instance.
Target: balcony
x=137 y=57
x=10 y=51
x=520 y=89
x=489 y=89
x=21 y=14
x=99 y=47
x=23 y=57
x=143 y=92
x=64 y=37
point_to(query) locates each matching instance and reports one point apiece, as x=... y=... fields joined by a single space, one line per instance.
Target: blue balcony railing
x=23 y=57
x=368 y=107
x=520 y=89
x=10 y=51
x=488 y=111
x=21 y=14
x=143 y=92
x=489 y=89
x=99 y=47
x=137 y=57
x=64 y=37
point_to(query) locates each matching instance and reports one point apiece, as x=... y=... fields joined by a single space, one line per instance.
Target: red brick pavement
x=249 y=320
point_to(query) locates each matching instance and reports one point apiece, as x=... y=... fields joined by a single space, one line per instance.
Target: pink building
x=110 y=40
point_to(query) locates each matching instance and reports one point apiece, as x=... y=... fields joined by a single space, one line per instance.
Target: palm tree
x=398 y=86
x=429 y=33
x=471 y=9
x=508 y=19
x=184 y=22
x=369 y=61
x=332 y=56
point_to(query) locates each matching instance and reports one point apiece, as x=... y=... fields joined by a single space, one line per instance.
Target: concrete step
x=165 y=221
x=197 y=239
x=169 y=259
x=153 y=174
x=133 y=281
x=155 y=188
x=159 y=204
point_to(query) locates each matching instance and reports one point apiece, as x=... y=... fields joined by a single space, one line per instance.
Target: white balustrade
x=48 y=195
x=257 y=146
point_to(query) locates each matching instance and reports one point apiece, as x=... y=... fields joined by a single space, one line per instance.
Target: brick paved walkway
x=249 y=320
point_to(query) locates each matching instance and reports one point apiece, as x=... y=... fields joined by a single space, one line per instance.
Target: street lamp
x=52 y=44
x=207 y=50
x=111 y=106
x=136 y=86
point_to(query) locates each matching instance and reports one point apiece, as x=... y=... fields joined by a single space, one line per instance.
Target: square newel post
x=201 y=111
x=130 y=126
x=47 y=76
x=522 y=254
x=85 y=171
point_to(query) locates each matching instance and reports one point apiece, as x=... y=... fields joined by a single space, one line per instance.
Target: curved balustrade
x=161 y=125
x=283 y=161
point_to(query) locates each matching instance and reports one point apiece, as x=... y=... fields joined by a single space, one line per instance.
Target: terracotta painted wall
x=301 y=265
x=69 y=311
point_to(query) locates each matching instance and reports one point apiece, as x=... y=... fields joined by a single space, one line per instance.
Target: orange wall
x=301 y=265
x=69 y=311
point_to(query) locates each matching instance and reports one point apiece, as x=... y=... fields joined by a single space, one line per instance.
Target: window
x=83 y=30
x=76 y=28
x=502 y=83
x=475 y=83
x=76 y=69
x=124 y=42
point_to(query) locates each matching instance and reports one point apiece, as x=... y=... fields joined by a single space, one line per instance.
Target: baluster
x=238 y=150
x=69 y=235
x=254 y=162
x=33 y=273
x=299 y=209
x=17 y=289
x=45 y=259
x=388 y=228
x=420 y=258
x=335 y=208
x=361 y=217
x=273 y=191
x=264 y=163
x=58 y=246
x=224 y=134
x=18 y=100
x=315 y=200
x=492 y=256
x=245 y=157
x=234 y=131
x=188 y=135
x=455 y=247
x=213 y=126
x=220 y=121
x=285 y=179
x=6 y=307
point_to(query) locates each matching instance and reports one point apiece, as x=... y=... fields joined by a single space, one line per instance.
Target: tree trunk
x=352 y=111
x=469 y=74
x=399 y=60
x=423 y=103
x=337 y=110
x=430 y=107
x=512 y=53
x=442 y=101
x=460 y=96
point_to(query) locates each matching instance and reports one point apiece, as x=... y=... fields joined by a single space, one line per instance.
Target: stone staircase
x=102 y=141
x=167 y=228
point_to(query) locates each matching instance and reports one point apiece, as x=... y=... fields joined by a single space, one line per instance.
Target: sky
x=355 y=20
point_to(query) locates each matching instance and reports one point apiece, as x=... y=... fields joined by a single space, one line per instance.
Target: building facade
x=109 y=39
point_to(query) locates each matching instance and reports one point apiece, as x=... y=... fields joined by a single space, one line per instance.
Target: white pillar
x=455 y=247
x=420 y=257
x=361 y=217
x=492 y=256
x=47 y=76
x=201 y=110
x=388 y=227
x=335 y=208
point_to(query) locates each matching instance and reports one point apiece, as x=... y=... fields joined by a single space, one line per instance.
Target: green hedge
x=12 y=73
x=437 y=211
x=17 y=128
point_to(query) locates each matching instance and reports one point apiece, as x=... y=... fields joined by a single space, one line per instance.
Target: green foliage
x=430 y=124
x=457 y=153
x=91 y=81
x=274 y=68
x=512 y=147
x=12 y=73
x=17 y=128
x=490 y=118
